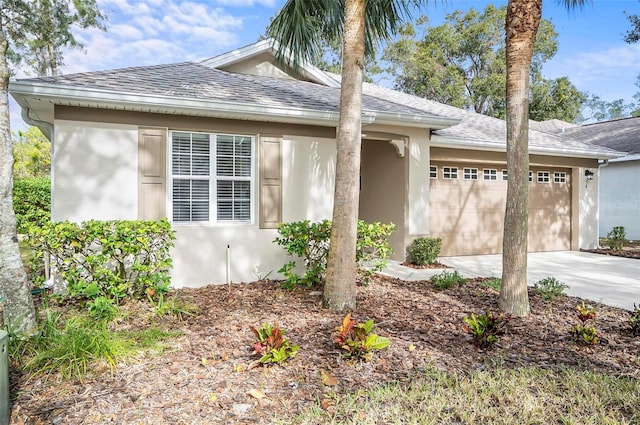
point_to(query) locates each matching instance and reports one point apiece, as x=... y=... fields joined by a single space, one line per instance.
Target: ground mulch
x=627 y=252
x=205 y=376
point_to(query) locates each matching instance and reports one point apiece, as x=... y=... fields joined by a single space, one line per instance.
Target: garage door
x=467 y=204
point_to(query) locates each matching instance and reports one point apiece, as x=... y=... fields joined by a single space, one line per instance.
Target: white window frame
x=433 y=171
x=530 y=176
x=470 y=173
x=559 y=177
x=543 y=177
x=213 y=179
x=505 y=175
x=490 y=174
x=450 y=173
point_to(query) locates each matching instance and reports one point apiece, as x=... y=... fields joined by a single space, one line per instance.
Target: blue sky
x=591 y=51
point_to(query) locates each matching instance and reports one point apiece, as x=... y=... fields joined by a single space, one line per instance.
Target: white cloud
x=126 y=31
x=610 y=72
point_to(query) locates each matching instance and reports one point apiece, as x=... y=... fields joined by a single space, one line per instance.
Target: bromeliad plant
x=583 y=332
x=485 y=328
x=271 y=344
x=357 y=339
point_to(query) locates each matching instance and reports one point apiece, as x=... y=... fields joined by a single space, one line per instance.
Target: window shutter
x=270 y=182
x=152 y=173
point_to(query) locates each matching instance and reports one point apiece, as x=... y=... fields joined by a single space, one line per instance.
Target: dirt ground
x=204 y=377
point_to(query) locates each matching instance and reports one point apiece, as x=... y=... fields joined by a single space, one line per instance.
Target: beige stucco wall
x=585 y=202
x=95 y=171
x=308 y=173
x=200 y=254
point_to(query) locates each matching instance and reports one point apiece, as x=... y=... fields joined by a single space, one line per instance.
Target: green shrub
x=357 y=340
x=424 y=251
x=617 y=237
x=32 y=202
x=446 y=280
x=271 y=345
x=494 y=283
x=549 y=288
x=485 y=328
x=104 y=262
x=310 y=242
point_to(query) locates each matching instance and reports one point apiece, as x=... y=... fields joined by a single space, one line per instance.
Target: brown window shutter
x=270 y=182
x=152 y=173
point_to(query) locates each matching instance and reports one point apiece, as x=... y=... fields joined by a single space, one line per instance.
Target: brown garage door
x=467 y=204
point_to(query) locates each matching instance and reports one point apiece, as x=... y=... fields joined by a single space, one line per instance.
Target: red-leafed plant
x=357 y=340
x=271 y=345
x=583 y=332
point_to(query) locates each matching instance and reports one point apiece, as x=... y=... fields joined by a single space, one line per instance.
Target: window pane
x=243 y=167
x=190 y=200
x=224 y=166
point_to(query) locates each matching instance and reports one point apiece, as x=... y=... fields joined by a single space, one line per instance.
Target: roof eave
x=459 y=143
x=268 y=45
x=99 y=98
x=433 y=122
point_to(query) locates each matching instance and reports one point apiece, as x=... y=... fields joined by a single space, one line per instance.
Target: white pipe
x=228 y=264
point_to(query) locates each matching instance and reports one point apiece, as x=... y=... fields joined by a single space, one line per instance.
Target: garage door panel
x=469 y=215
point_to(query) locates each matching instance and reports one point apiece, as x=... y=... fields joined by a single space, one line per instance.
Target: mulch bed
x=204 y=378
x=626 y=252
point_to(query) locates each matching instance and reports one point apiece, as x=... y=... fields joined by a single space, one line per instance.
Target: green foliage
x=39 y=31
x=104 y=262
x=633 y=35
x=446 y=280
x=617 y=237
x=372 y=247
x=425 y=250
x=72 y=346
x=485 y=328
x=310 y=242
x=462 y=63
x=31 y=154
x=634 y=321
x=357 y=340
x=63 y=347
x=549 y=288
x=32 y=202
x=271 y=345
x=557 y=98
x=494 y=283
x=583 y=332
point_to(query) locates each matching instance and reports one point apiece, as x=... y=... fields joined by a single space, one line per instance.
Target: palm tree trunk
x=19 y=312
x=340 y=284
x=523 y=19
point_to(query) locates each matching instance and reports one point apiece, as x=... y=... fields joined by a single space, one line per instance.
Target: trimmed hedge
x=32 y=202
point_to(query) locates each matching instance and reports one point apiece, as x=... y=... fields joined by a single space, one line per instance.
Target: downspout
x=603 y=164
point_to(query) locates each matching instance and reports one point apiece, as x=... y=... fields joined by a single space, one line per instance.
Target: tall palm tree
x=298 y=30
x=521 y=27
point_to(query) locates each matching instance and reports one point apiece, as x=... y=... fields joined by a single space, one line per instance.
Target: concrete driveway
x=610 y=280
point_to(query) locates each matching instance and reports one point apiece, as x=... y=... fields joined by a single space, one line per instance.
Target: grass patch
x=502 y=396
x=75 y=346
